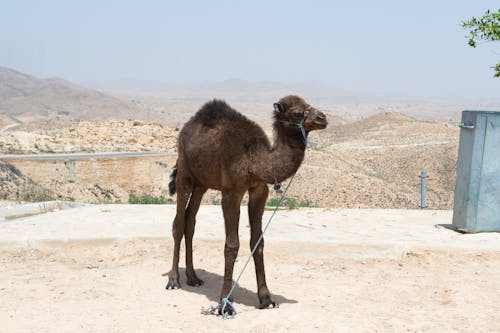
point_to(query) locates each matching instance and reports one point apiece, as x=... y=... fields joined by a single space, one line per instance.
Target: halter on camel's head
x=294 y=111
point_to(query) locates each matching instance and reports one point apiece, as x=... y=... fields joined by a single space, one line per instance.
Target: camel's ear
x=278 y=108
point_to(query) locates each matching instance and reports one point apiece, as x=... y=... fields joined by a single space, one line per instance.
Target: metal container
x=477 y=190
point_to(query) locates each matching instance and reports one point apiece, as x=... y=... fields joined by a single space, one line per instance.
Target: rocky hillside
x=374 y=162
x=91 y=136
x=16 y=186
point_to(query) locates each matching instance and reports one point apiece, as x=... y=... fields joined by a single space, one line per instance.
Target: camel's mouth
x=319 y=124
x=318 y=121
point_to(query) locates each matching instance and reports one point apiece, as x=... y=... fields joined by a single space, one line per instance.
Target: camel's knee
x=190 y=225
x=178 y=227
x=260 y=247
x=231 y=248
x=189 y=231
x=255 y=238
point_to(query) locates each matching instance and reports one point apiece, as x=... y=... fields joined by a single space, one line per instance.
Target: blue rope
x=226 y=308
x=225 y=302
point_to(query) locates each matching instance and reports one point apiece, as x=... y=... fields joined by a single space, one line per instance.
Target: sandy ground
x=100 y=269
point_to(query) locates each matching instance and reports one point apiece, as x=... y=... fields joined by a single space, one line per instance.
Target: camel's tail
x=171 y=185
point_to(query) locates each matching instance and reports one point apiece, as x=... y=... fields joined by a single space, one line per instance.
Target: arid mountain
x=371 y=155
x=31 y=103
x=164 y=100
x=234 y=89
x=27 y=99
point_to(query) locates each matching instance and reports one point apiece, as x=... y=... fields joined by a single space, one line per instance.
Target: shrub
x=290 y=203
x=147 y=199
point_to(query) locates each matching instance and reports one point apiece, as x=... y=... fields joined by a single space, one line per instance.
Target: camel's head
x=292 y=111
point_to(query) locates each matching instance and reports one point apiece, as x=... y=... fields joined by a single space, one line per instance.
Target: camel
x=221 y=149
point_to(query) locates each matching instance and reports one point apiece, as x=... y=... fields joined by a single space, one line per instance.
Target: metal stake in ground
x=423 y=190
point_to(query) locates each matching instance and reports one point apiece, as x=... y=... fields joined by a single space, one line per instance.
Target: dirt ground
x=118 y=286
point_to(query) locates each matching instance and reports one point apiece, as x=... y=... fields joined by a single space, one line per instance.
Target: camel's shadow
x=212 y=287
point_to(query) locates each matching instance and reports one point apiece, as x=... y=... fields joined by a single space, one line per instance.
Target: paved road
x=82 y=155
x=11 y=126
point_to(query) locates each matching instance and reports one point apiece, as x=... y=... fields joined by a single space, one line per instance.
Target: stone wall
x=100 y=178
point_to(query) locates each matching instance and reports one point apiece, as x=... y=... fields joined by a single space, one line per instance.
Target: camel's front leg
x=231 y=209
x=256 y=205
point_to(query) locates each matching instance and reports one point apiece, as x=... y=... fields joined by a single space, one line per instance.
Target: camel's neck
x=283 y=159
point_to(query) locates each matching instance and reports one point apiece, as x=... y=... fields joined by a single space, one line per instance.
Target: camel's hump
x=216 y=111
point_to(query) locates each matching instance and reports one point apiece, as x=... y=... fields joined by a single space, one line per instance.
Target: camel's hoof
x=228 y=312
x=268 y=305
x=194 y=282
x=173 y=284
x=226 y=308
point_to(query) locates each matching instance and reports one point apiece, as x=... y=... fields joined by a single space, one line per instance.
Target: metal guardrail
x=56 y=156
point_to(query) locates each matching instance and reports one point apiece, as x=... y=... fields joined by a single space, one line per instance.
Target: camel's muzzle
x=319 y=121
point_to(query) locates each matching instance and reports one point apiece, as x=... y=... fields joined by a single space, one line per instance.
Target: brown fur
x=221 y=149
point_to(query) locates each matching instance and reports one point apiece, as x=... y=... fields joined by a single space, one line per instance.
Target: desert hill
x=369 y=156
x=390 y=128
x=26 y=99
x=30 y=103
x=373 y=162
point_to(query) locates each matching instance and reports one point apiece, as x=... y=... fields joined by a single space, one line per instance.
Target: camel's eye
x=297 y=114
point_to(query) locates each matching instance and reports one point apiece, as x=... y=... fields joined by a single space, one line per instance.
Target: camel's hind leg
x=256 y=204
x=231 y=200
x=192 y=209
x=184 y=189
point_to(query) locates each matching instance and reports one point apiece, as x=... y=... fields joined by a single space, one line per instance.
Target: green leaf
x=486 y=28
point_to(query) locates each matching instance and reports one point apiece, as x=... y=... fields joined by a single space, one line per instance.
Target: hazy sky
x=401 y=48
